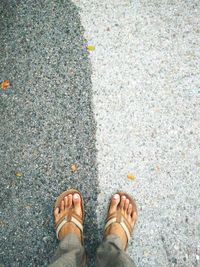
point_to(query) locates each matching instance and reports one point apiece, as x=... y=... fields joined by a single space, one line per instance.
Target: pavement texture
x=135 y=98
x=146 y=93
x=46 y=123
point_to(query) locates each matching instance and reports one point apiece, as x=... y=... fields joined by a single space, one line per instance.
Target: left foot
x=120 y=204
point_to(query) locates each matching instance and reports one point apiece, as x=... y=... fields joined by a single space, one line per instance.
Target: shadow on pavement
x=46 y=124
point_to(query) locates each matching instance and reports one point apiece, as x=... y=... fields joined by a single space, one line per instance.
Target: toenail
x=76 y=196
x=123 y=197
x=116 y=196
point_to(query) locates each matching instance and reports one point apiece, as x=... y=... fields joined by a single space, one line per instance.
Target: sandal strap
x=66 y=219
x=69 y=214
x=123 y=222
x=119 y=217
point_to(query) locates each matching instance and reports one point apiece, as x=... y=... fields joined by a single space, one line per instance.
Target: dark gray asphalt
x=46 y=124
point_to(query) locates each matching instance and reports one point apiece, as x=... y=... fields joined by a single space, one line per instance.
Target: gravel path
x=136 y=98
x=146 y=98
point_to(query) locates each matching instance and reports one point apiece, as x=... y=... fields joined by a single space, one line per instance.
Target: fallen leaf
x=146 y=253
x=18 y=174
x=158 y=168
x=2 y=223
x=90 y=48
x=198 y=163
x=73 y=167
x=71 y=72
x=131 y=176
x=5 y=84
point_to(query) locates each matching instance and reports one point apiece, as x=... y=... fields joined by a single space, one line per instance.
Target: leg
x=69 y=215
x=110 y=253
x=70 y=252
x=112 y=250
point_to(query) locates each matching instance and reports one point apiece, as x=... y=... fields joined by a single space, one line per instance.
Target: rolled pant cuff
x=70 y=242
x=114 y=239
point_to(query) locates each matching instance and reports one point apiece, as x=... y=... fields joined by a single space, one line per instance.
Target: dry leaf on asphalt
x=18 y=174
x=73 y=167
x=5 y=84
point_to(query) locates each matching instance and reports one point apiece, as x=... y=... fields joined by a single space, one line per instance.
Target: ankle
x=116 y=229
x=69 y=228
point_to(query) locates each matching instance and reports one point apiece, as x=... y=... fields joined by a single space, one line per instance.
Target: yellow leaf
x=18 y=174
x=131 y=176
x=73 y=167
x=90 y=48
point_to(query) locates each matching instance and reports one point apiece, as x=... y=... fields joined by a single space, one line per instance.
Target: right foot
x=123 y=204
x=70 y=202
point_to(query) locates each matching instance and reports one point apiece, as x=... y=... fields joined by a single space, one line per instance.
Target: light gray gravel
x=146 y=85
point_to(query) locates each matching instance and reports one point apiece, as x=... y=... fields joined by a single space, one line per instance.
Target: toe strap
x=123 y=224
x=66 y=219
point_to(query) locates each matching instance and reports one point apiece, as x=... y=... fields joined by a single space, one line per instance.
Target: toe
x=134 y=216
x=126 y=205
x=62 y=206
x=56 y=211
x=122 y=202
x=130 y=209
x=69 y=200
x=77 y=204
x=114 y=203
x=66 y=201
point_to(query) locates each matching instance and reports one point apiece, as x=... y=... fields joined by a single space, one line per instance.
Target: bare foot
x=69 y=202
x=128 y=212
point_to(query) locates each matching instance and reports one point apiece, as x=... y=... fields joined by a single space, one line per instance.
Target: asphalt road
x=46 y=124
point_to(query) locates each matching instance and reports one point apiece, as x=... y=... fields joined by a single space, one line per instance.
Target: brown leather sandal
x=70 y=216
x=117 y=217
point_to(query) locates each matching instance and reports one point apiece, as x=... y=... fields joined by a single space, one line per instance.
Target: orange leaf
x=131 y=176
x=5 y=84
x=73 y=167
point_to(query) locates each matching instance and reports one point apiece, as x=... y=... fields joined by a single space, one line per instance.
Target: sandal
x=70 y=216
x=118 y=217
